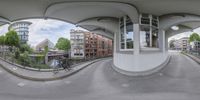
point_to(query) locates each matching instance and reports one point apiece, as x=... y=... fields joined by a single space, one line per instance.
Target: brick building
x=94 y=46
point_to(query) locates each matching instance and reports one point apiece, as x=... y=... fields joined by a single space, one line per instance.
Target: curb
x=143 y=73
x=49 y=79
x=192 y=57
x=37 y=69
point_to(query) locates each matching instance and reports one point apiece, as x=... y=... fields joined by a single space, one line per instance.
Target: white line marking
x=20 y=84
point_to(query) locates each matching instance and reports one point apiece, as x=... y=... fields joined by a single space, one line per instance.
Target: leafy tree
x=25 y=47
x=12 y=39
x=17 y=54
x=63 y=44
x=25 y=59
x=2 y=38
x=194 y=37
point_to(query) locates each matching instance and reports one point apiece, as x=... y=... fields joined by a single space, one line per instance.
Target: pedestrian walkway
x=195 y=58
x=43 y=76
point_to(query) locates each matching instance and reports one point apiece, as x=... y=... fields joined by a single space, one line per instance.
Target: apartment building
x=89 y=45
x=182 y=44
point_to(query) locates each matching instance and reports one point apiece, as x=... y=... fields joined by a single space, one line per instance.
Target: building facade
x=77 y=43
x=195 y=46
x=89 y=45
x=123 y=21
x=22 y=29
x=45 y=43
x=182 y=44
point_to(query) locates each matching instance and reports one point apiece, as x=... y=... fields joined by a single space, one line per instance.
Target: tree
x=2 y=38
x=25 y=59
x=194 y=37
x=12 y=39
x=63 y=44
x=25 y=47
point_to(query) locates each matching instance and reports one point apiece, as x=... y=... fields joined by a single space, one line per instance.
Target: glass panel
x=143 y=42
x=129 y=33
x=122 y=46
x=155 y=38
x=122 y=29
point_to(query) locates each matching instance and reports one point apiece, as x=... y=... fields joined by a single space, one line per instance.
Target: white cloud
x=52 y=29
x=185 y=34
x=3 y=29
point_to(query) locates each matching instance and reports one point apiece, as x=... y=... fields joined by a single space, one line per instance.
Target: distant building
x=89 y=45
x=182 y=44
x=77 y=43
x=97 y=46
x=45 y=43
x=195 y=46
x=22 y=29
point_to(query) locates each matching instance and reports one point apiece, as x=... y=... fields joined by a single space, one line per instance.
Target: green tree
x=194 y=37
x=2 y=38
x=12 y=39
x=63 y=44
x=25 y=59
x=25 y=47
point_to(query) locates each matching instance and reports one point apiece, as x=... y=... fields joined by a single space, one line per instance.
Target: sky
x=185 y=34
x=41 y=29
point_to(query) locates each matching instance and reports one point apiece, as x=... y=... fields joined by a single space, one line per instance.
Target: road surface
x=179 y=80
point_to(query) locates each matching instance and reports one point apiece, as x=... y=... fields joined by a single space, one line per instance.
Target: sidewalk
x=193 y=57
x=43 y=76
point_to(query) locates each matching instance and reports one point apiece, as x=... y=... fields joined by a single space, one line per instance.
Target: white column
x=163 y=43
x=150 y=31
x=150 y=36
x=136 y=35
x=115 y=43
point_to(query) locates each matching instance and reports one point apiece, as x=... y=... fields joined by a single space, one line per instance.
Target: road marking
x=125 y=85
x=67 y=82
x=21 y=84
x=161 y=74
x=15 y=68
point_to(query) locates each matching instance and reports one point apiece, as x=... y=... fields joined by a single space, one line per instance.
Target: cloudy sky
x=185 y=34
x=41 y=29
x=53 y=29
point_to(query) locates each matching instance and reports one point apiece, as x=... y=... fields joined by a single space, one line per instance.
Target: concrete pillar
x=166 y=42
x=136 y=29
x=115 y=43
x=150 y=35
x=164 y=47
x=150 y=31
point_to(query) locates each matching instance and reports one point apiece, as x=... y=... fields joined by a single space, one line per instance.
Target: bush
x=17 y=54
x=24 y=59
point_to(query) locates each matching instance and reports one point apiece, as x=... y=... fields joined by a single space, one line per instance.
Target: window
x=126 y=33
x=148 y=31
x=129 y=33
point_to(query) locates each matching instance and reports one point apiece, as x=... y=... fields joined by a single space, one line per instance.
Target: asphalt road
x=179 y=80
